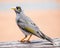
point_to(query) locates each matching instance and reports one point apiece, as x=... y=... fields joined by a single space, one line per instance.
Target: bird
x=27 y=26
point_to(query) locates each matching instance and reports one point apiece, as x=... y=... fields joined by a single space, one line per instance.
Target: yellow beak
x=13 y=8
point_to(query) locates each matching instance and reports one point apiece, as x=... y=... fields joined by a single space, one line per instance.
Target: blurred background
x=45 y=13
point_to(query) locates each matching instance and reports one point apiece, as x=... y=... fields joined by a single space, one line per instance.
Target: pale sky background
x=45 y=13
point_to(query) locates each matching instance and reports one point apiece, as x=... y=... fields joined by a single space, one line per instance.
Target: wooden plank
x=34 y=44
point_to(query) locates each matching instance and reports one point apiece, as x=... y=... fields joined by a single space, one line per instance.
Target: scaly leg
x=23 y=39
x=29 y=38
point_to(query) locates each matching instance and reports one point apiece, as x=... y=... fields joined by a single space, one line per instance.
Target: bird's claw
x=25 y=41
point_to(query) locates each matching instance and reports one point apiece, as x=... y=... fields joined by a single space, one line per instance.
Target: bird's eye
x=18 y=8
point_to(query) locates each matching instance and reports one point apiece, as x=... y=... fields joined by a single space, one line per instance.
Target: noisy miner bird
x=27 y=26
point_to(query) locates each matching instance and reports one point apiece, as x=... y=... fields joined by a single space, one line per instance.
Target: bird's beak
x=13 y=8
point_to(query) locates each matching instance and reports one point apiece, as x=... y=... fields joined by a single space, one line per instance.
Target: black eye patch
x=18 y=7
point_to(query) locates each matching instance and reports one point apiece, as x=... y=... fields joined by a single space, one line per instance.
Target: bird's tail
x=43 y=36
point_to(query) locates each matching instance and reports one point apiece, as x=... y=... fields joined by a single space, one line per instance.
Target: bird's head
x=17 y=9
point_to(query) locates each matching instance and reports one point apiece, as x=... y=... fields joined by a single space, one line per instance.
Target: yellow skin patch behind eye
x=19 y=9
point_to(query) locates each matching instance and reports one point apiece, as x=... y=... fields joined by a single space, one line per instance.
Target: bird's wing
x=28 y=25
x=25 y=25
x=31 y=23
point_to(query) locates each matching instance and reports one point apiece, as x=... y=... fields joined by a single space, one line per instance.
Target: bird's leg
x=29 y=38
x=23 y=39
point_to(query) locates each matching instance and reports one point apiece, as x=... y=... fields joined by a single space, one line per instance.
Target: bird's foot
x=23 y=41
